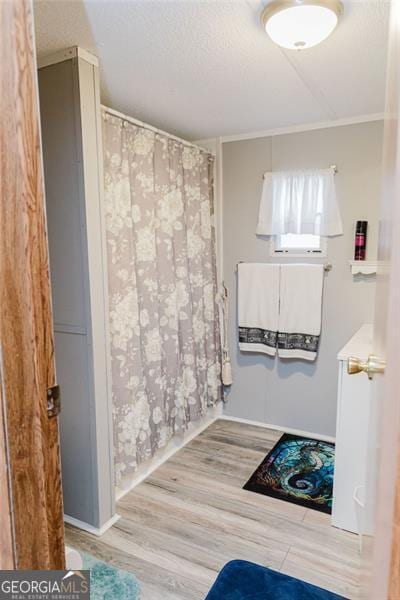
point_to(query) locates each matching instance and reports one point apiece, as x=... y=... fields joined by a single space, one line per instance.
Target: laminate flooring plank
x=191 y=516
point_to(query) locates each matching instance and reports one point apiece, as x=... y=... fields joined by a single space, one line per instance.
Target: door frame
x=30 y=474
x=7 y=551
x=382 y=556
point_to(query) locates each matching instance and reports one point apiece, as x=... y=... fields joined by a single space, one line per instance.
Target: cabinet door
x=351 y=446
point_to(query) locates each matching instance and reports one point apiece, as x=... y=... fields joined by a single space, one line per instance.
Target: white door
x=381 y=561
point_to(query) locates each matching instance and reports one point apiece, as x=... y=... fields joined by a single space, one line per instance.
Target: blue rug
x=242 y=580
x=108 y=582
x=298 y=470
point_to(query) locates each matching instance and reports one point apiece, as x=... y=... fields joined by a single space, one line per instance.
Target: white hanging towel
x=299 y=202
x=258 y=307
x=300 y=311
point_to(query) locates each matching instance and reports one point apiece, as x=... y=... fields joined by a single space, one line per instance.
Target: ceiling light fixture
x=300 y=24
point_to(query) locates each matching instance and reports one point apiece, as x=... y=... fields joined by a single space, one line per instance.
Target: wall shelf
x=363 y=267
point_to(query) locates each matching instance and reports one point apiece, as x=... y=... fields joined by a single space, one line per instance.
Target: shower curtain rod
x=120 y=115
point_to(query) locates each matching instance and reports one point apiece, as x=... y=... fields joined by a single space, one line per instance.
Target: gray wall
x=296 y=394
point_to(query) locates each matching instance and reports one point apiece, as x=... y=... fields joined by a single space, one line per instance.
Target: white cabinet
x=354 y=402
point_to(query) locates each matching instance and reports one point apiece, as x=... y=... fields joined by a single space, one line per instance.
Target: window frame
x=300 y=252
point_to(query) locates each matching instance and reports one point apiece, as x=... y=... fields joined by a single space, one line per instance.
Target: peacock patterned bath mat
x=298 y=470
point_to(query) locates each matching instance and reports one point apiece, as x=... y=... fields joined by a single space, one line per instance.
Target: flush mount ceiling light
x=300 y=24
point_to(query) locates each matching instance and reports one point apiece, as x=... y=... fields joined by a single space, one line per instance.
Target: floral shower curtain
x=164 y=322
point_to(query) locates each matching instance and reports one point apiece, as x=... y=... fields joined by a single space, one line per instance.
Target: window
x=298 y=244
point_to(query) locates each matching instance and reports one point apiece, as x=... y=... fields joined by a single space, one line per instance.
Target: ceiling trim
x=306 y=127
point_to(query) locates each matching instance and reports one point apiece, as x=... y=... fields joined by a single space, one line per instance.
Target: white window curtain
x=299 y=202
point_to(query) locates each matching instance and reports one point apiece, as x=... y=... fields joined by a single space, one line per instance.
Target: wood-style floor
x=191 y=516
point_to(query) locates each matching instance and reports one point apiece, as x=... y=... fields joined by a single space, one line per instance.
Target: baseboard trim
x=98 y=531
x=178 y=444
x=316 y=436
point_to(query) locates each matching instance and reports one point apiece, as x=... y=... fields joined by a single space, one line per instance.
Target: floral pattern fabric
x=164 y=320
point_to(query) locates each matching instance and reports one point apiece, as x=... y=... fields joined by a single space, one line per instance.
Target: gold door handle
x=374 y=364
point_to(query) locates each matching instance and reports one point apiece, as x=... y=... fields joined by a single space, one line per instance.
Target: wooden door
x=381 y=560
x=31 y=473
x=385 y=552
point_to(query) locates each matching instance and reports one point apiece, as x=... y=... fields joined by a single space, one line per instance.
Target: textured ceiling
x=206 y=68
